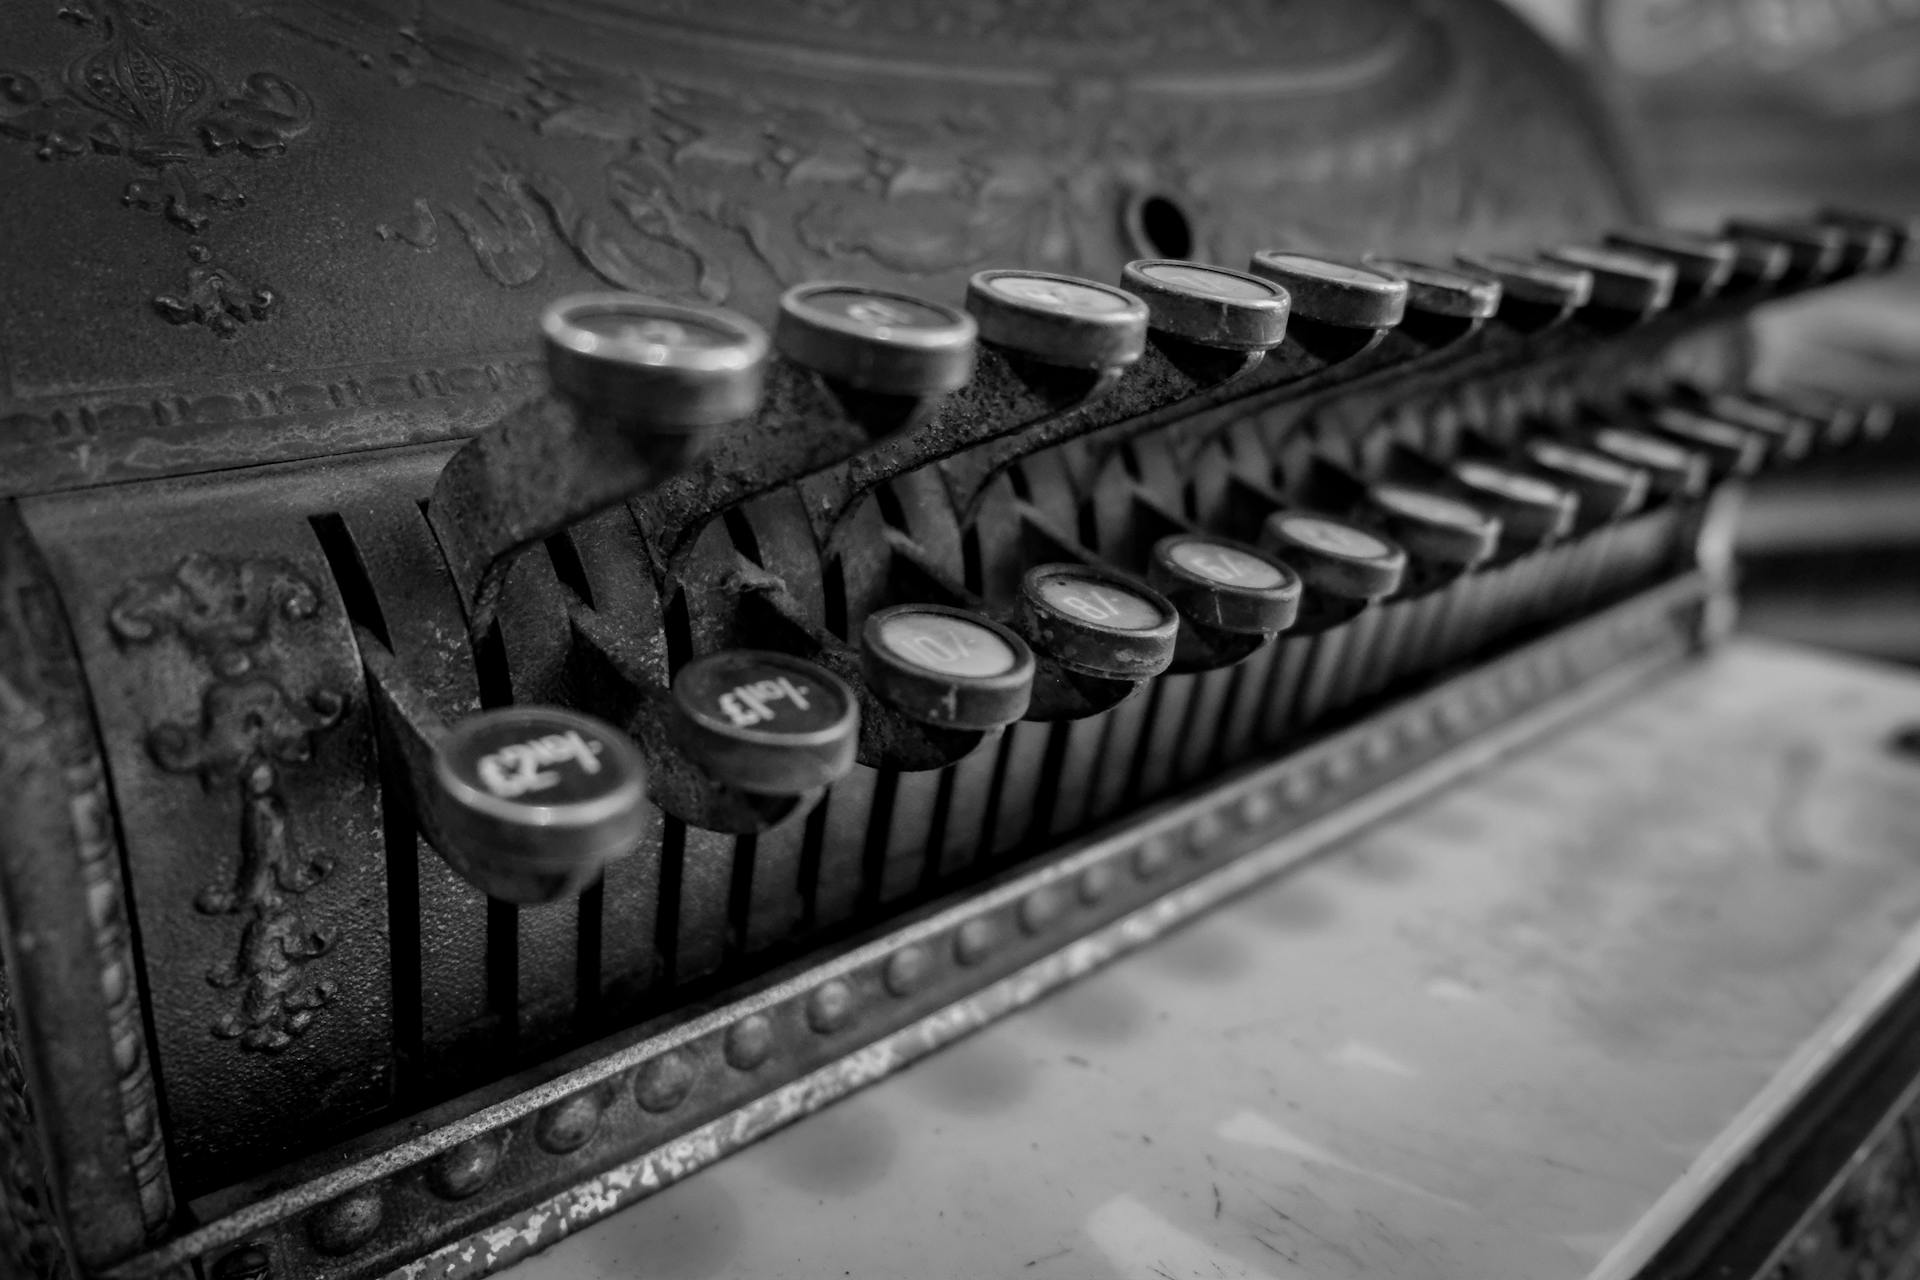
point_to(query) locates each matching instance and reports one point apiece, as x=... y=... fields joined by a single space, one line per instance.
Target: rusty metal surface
x=1480 y=1040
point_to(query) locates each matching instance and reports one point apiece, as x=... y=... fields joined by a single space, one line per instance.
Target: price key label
x=766 y=722
x=947 y=667
x=1224 y=585
x=526 y=797
x=1100 y=623
x=747 y=705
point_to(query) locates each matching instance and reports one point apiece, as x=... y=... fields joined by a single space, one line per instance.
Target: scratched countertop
x=1480 y=1040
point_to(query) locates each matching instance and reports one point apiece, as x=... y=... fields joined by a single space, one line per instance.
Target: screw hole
x=1159 y=228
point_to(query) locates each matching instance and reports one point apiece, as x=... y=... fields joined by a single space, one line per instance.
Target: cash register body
x=266 y=268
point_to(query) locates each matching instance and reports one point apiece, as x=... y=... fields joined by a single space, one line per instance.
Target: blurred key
x=640 y=382
x=1551 y=285
x=1630 y=284
x=531 y=803
x=1793 y=434
x=875 y=339
x=1335 y=558
x=1813 y=251
x=1441 y=292
x=1058 y=320
x=1759 y=264
x=1702 y=264
x=1328 y=291
x=1728 y=449
x=1225 y=585
x=653 y=366
x=1903 y=234
x=1433 y=527
x=1531 y=510
x=1607 y=487
x=1672 y=472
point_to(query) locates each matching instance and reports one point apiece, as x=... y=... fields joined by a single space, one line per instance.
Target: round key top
x=1621 y=281
x=1334 y=557
x=1545 y=284
x=876 y=339
x=1703 y=264
x=1813 y=251
x=531 y=801
x=947 y=667
x=1058 y=320
x=1434 y=527
x=766 y=722
x=1531 y=510
x=1607 y=487
x=1440 y=292
x=1099 y=623
x=653 y=365
x=1728 y=449
x=1671 y=470
x=1345 y=295
x=1209 y=306
x=1225 y=585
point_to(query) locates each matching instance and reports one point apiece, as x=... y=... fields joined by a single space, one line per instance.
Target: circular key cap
x=1058 y=320
x=1210 y=306
x=532 y=801
x=1728 y=449
x=1440 y=292
x=1621 y=281
x=766 y=722
x=1608 y=489
x=1703 y=264
x=1671 y=471
x=653 y=365
x=1545 y=284
x=1225 y=585
x=1813 y=251
x=1434 y=527
x=947 y=667
x=1335 y=558
x=1531 y=510
x=1099 y=623
x=876 y=339
x=1345 y=295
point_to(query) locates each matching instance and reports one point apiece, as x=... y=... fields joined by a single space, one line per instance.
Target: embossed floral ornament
x=231 y=615
x=130 y=97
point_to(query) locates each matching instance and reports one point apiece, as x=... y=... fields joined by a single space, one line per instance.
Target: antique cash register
x=581 y=579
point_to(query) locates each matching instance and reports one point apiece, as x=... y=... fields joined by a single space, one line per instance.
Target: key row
x=645 y=389
x=529 y=802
